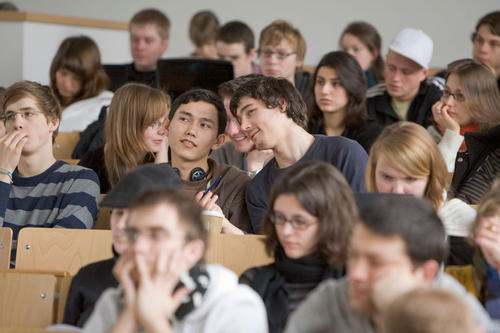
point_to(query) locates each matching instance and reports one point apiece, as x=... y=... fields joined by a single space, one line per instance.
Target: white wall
x=448 y=22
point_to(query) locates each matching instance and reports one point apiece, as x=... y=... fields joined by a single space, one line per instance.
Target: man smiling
x=274 y=116
x=197 y=122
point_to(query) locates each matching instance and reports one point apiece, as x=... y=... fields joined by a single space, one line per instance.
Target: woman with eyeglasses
x=307 y=226
x=339 y=100
x=135 y=133
x=467 y=127
x=405 y=160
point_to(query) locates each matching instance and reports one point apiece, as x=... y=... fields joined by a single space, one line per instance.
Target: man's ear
x=283 y=106
x=194 y=251
x=219 y=142
x=164 y=45
x=53 y=124
x=251 y=54
x=425 y=72
x=429 y=270
x=299 y=63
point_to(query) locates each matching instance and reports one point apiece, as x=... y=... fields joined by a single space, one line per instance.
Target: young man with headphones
x=196 y=127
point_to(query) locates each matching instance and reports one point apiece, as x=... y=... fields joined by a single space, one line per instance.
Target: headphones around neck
x=195 y=175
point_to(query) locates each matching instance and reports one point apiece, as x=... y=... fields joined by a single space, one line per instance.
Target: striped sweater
x=63 y=196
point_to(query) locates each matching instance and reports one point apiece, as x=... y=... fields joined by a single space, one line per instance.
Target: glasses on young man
x=11 y=115
x=459 y=97
x=154 y=234
x=280 y=220
x=268 y=54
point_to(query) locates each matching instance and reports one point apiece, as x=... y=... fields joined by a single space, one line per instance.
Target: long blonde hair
x=133 y=108
x=410 y=149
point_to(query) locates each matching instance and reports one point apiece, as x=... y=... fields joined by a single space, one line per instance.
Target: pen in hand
x=211 y=186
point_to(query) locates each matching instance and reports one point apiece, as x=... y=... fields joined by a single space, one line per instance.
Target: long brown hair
x=368 y=35
x=133 y=108
x=480 y=89
x=80 y=55
x=410 y=149
x=322 y=191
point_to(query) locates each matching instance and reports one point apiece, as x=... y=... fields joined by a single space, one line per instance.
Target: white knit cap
x=415 y=45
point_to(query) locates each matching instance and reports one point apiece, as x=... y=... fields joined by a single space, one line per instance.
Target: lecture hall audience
x=299 y=145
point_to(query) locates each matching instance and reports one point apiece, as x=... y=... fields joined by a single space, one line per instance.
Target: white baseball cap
x=415 y=45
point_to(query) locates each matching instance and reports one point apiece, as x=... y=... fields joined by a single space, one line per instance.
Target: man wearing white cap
x=407 y=94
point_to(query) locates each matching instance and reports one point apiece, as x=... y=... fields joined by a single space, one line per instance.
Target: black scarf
x=196 y=280
x=269 y=282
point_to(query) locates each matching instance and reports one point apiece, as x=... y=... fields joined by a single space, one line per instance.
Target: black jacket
x=378 y=103
x=86 y=288
x=477 y=168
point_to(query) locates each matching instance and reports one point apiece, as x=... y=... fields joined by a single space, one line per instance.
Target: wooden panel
x=5 y=246
x=63 y=282
x=59 y=19
x=71 y=160
x=65 y=143
x=26 y=300
x=237 y=252
x=62 y=249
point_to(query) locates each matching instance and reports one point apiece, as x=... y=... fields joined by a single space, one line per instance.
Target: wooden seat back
x=26 y=299
x=5 y=246
x=65 y=143
x=61 y=249
x=237 y=252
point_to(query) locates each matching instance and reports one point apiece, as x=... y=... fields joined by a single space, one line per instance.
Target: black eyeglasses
x=459 y=97
x=280 y=220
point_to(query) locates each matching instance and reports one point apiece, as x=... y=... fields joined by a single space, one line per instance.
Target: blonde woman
x=135 y=133
x=405 y=160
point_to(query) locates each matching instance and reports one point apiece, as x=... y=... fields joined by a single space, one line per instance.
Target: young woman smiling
x=307 y=225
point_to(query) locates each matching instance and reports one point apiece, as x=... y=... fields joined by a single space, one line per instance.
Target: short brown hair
x=41 y=94
x=492 y=20
x=322 y=191
x=410 y=149
x=237 y=32
x=480 y=88
x=428 y=310
x=188 y=210
x=274 y=33
x=273 y=92
x=155 y=17
x=203 y=28
x=80 y=55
